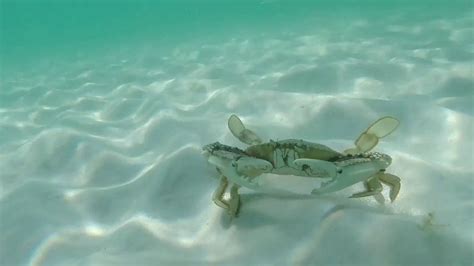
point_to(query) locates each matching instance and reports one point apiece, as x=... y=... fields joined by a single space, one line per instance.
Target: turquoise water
x=38 y=29
x=105 y=105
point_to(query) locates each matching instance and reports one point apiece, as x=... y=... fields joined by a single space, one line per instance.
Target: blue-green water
x=33 y=30
x=105 y=105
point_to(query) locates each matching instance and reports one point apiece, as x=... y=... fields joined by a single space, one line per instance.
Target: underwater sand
x=100 y=148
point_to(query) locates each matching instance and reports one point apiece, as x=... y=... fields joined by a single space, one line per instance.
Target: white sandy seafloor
x=101 y=156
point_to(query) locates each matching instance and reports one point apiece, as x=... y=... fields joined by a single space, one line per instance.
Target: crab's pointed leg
x=234 y=201
x=317 y=168
x=393 y=182
x=373 y=187
x=239 y=131
x=370 y=137
x=218 y=196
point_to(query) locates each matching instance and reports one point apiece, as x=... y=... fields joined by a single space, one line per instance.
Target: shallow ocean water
x=104 y=108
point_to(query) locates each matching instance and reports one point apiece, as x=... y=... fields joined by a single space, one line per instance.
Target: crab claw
x=370 y=137
x=252 y=167
x=348 y=176
x=239 y=131
x=317 y=167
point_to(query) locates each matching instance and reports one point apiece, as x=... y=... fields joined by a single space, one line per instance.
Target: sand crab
x=302 y=158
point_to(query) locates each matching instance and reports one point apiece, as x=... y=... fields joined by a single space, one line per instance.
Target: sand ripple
x=100 y=158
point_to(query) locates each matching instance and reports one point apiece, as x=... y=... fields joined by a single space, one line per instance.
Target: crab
x=293 y=157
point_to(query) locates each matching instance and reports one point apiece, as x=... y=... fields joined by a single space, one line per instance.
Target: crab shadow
x=316 y=227
x=260 y=210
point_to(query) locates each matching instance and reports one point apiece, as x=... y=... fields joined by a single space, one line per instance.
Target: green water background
x=32 y=31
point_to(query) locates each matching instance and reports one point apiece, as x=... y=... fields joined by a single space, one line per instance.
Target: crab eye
x=339 y=171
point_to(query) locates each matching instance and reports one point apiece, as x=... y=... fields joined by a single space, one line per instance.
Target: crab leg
x=234 y=202
x=393 y=182
x=218 y=196
x=373 y=187
x=232 y=205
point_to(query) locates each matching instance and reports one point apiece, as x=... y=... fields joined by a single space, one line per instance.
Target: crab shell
x=282 y=155
x=290 y=157
x=304 y=149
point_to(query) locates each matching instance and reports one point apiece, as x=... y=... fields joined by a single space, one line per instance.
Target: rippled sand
x=101 y=160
